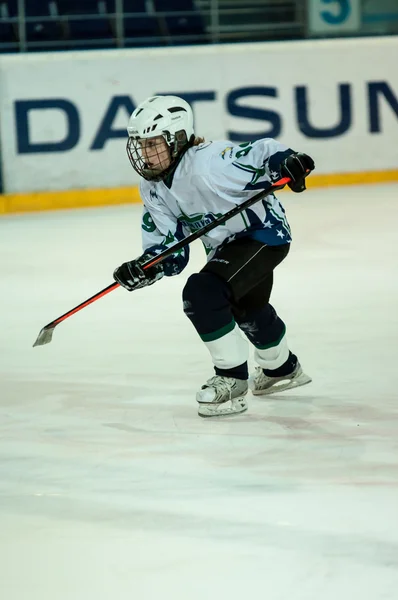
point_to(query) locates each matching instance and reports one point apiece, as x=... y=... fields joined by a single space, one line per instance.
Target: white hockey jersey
x=209 y=181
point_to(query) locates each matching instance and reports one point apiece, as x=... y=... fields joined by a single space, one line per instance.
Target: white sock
x=274 y=357
x=230 y=350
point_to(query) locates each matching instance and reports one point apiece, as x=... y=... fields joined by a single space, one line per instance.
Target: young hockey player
x=185 y=184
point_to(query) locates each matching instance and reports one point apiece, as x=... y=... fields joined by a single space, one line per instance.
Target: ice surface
x=111 y=486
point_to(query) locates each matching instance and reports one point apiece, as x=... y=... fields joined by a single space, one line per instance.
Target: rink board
x=63 y=116
x=66 y=199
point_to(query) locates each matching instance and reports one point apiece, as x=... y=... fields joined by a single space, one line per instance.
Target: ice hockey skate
x=222 y=396
x=261 y=384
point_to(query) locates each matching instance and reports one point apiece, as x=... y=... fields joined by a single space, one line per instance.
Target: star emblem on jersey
x=268 y=224
x=280 y=233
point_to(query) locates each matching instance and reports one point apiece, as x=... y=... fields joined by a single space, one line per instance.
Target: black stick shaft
x=45 y=334
x=232 y=213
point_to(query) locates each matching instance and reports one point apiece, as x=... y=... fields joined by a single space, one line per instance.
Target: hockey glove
x=132 y=276
x=297 y=166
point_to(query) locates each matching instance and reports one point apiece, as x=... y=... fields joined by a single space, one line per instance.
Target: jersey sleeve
x=244 y=170
x=160 y=231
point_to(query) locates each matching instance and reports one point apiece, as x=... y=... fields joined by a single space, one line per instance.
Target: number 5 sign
x=333 y=16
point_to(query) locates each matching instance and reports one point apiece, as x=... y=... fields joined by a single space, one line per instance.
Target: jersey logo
x=154 y=196
x=227 y=149
x=198 y=220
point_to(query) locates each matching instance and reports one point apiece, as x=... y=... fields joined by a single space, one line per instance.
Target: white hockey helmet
x=171 y=118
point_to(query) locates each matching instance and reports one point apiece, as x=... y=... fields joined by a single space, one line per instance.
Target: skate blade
x=236 y=407
x=282 y=386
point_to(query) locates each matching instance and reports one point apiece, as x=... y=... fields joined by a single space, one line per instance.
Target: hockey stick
x=46 y=334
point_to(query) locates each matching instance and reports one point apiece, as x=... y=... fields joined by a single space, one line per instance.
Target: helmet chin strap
x=177 y=144
x=174 y=151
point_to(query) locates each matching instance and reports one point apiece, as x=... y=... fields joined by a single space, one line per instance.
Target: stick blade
x=45 y=336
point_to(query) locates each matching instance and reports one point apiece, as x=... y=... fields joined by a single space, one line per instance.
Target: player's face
x=155 y=153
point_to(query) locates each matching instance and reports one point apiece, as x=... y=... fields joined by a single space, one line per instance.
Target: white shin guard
x=230 y=350
x=273 y=357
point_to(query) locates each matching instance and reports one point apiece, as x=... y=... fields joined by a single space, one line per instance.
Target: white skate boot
x=221 y=396
x=261 y=384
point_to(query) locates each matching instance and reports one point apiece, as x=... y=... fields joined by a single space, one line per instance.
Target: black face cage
x=175 y=144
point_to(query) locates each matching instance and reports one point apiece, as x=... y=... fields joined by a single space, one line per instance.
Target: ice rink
x=111 y=486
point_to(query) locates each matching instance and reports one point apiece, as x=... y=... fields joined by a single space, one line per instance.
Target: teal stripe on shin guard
x=273 y=344
x=215 y=335
x=229 y=350
x=272 y=357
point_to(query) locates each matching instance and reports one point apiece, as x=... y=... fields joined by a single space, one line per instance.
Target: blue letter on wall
x=383 y=89
x=22 y=108
x=105 y=131
x=248 y=112
x=322 y=132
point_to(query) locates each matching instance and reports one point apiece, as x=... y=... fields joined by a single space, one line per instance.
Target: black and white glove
x=297 y=166
x=132 y=276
